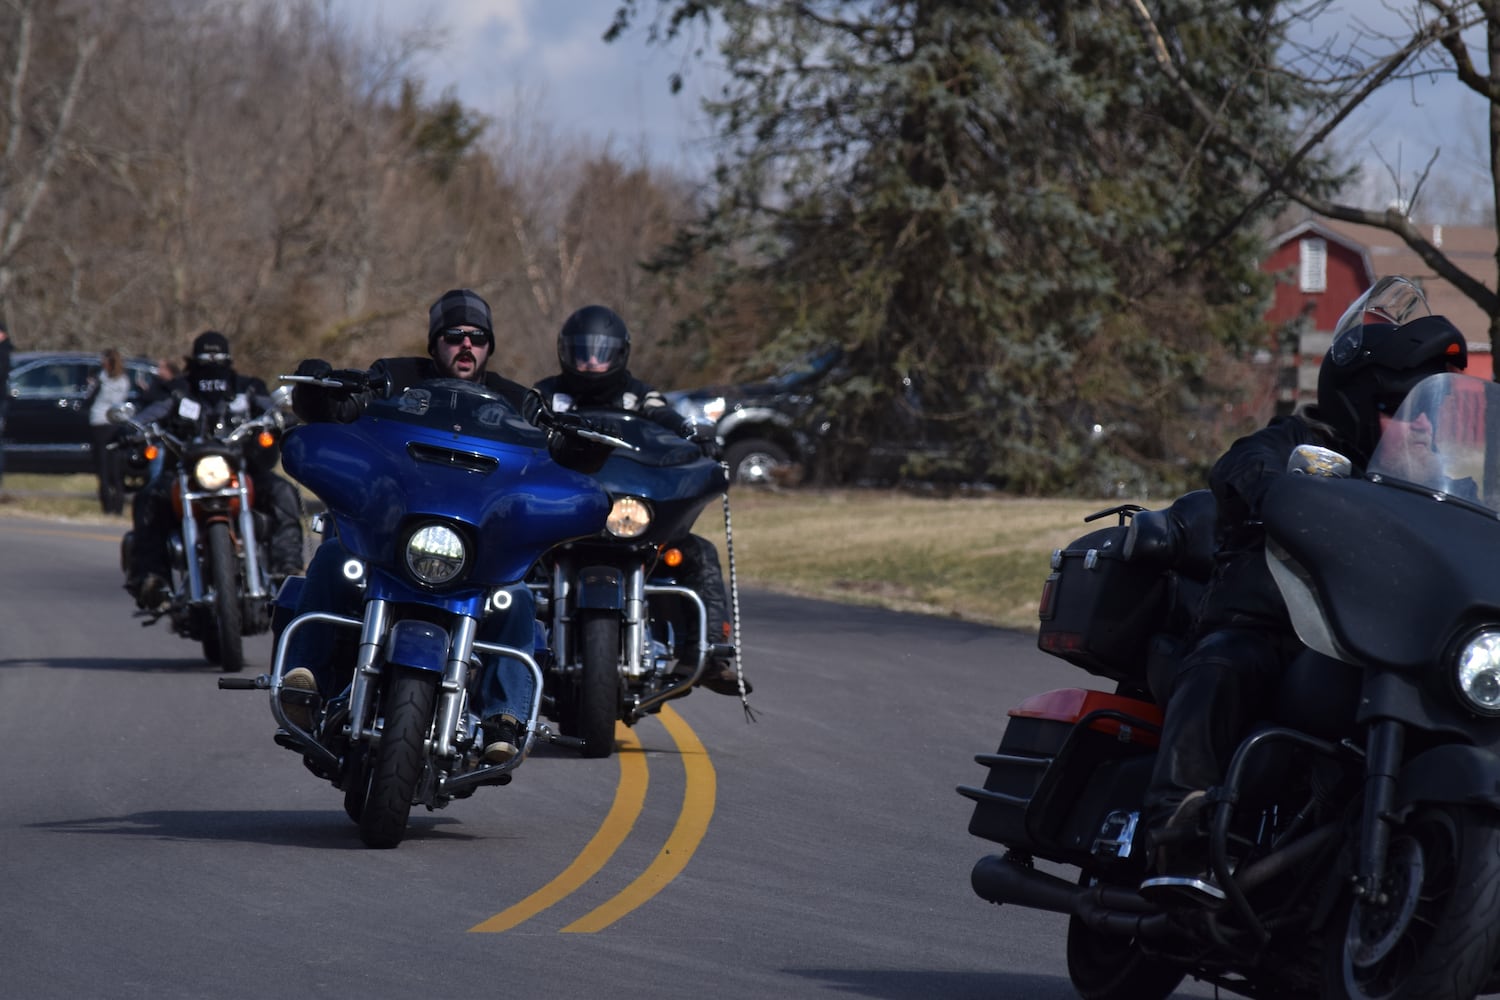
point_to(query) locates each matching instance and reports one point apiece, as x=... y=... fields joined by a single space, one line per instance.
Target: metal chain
x=734 y=610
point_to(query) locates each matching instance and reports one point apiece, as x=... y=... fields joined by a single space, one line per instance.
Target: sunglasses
x=478 y=338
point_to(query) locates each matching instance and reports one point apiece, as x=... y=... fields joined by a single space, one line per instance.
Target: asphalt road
x=155 y=842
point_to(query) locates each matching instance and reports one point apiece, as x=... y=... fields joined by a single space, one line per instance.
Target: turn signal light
x=672 y=557
x=265 y=439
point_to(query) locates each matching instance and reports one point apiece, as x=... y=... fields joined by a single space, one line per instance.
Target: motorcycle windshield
x=446 y=450
x=1389 y=569
x=662 y=467
x=1444 y=438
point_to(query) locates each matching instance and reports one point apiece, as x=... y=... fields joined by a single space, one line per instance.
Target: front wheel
x=1112 y=967
x=228 y=616
x=1436 y=932
x=399 y=758
x=598 y=695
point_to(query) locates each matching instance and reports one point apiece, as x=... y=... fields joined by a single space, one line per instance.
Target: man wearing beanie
x=460 y=341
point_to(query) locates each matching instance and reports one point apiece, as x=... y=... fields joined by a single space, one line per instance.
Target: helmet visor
x=591 y=353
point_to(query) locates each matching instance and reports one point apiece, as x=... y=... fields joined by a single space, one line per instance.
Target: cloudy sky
x=549 y=55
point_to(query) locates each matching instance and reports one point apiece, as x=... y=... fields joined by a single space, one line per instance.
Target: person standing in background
x=168 y=371
x=111 y=387
x=5 y=348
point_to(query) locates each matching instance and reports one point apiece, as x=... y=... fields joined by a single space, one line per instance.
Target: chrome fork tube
x=248 y=541
x=455 y=678
x=365 y=670
x=635 y=619
x=190 y=552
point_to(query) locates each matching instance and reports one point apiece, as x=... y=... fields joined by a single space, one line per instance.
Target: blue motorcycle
x=625 y=635
x=442 y=498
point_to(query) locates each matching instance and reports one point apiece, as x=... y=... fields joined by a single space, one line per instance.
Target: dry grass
x=978 y=559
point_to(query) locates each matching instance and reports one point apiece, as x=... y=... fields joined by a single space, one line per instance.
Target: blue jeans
x=505 y=686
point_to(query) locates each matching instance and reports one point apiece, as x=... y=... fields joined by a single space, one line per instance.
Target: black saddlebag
x=1098 y=611
x=1068 y=779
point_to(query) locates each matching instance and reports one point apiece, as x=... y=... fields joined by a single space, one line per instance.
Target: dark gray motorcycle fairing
x=1397 y=572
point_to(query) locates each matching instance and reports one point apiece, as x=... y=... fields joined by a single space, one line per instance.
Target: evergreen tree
x=1004 y=214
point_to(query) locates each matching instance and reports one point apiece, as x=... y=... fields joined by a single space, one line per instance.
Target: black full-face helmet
x=1371 y=366
x=593 y=351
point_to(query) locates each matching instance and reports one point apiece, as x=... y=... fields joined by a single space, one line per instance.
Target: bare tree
x=38 y=112
x=1433 y=41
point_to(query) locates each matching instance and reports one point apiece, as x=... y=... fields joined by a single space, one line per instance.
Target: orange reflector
x=672 y=557
x=266 y=439
x=151 y=452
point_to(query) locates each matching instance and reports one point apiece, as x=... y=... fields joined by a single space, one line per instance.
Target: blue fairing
x=665 y=469
x=449 y=450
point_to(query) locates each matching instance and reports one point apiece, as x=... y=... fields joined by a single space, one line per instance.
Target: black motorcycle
x=1356 y=836
x=625 y=636
x=218 y=548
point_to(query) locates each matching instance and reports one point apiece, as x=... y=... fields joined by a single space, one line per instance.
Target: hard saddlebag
x=1069 y=776
x=1099 y=610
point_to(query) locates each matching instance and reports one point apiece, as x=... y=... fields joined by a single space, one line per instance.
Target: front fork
x=192 y=539
x=1384 y=747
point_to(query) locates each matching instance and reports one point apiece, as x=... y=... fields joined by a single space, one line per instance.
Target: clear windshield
x=461 y=407
x=1445 y=437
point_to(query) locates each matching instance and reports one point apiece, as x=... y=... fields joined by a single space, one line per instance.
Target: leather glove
x=354 y=379
x=314 y=368
x=704 y=436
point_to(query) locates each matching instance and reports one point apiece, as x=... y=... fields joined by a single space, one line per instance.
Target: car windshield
x=809 y=367
x=1445 y=437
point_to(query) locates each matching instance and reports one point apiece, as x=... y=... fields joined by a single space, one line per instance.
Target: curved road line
x=630 y=797
x=699 y=792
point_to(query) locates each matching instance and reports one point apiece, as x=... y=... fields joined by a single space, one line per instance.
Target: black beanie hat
x=210 y=342
x=457 y=307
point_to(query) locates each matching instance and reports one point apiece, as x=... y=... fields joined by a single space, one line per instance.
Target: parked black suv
x=776 y=431
x=47 y=428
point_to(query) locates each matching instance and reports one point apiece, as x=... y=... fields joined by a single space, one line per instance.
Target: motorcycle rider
x=593 y=356
x=460 y=342
x=209 y=385
x=1243 y=632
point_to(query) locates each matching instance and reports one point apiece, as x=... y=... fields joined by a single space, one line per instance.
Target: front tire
x=598 y=694
x=1438 y=935
x=1111 y=967
x=400 y=757
x=228 y=615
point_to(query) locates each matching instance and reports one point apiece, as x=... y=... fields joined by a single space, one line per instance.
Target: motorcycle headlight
x=1478 y=673
x=212 y=472
x=628 y=517
x=435 y=554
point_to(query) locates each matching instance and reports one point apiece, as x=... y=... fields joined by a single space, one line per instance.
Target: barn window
x=1314 y=264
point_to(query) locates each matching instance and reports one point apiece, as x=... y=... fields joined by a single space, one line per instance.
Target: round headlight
x=435 y=554
x=212 y=472
x=628 y=517
x=1479 y=673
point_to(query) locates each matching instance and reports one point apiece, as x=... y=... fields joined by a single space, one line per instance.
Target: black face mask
x=211 y=383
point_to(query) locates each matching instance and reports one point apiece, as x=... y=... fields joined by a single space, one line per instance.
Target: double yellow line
x=698 y=795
